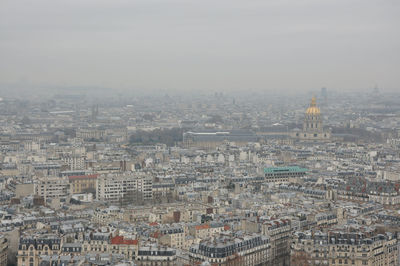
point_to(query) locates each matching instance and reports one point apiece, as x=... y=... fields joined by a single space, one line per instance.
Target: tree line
x=168 y=136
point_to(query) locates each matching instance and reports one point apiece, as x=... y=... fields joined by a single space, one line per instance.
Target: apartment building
x=74 y=162
x=283 y=174
x=232 y=250
x=206 y=230
x=124 y=246
x=32 y=247
x=90 y=133
x=155 y=255
x=129 y=188
x=107 y=215
x=46 y=169
x=345 y=248
x=82 y=183
x=52 y=187
x=3 y=250
x=172 y=236
x=96 y=243
x=310 y=248
x=279 y=232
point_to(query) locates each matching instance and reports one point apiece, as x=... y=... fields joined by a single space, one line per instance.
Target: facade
x=279 y=233
x=96 y=243
x=163 y=191
x=23 y=190
x=155 y=255
x=326 y=219
x=345 y=248
x=173 y=237
x=71 y=248
x=3 y=250
x=229 y=250
x=61 y=260
x=90 y=133
x=31 y=248
x=83 y=183
x=310 y=249
x=124 y=188
x=74 y=162
x=125 y=247
x=106 y=216
x=52 y=187
x=207 y=230
x=362 y=189
x=283 y=174
x=46 y=169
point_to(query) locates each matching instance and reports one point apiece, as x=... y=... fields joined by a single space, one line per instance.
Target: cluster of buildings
x=244 y=182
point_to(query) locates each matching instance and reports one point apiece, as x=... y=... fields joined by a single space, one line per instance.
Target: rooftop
x=284 y=169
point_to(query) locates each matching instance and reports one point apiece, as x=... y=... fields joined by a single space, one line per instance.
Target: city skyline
x=187 y=132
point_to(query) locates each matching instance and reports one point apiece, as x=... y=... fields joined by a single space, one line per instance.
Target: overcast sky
x=201 y=44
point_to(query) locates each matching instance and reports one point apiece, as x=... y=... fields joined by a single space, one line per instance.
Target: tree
x=165 y=136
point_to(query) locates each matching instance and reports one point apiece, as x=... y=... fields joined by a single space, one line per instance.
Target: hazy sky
x=195 y=44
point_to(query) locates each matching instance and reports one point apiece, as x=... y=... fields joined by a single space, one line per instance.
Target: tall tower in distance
x=95 y=112
x=324 y=96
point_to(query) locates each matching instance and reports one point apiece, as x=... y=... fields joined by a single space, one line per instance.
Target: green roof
x=284 y=169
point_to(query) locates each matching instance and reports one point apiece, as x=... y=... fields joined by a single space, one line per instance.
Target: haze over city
x=200 y=45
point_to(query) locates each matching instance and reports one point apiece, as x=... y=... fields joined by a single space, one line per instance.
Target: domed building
x=313 y=129
x=312 y=120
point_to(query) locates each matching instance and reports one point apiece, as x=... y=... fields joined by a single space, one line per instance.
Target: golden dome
x=313 y=109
